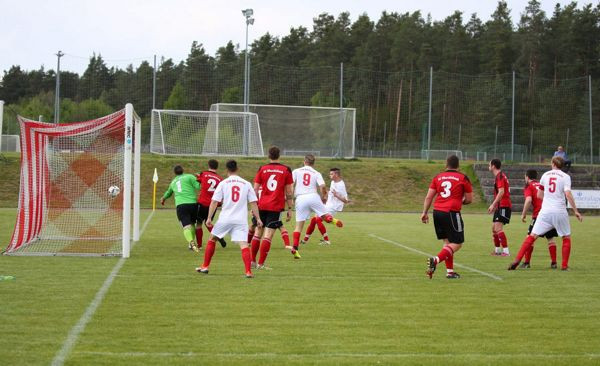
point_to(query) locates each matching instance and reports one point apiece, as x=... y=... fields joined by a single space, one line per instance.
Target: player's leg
x=200 y=219
x=449 y=227
x=265 y=245
x=309 y=230
x=323 y=231
x=542 y=225
x=563 y=228
x=239 y=234
x=209 y=228
x=186 y=213
x=496 y=239
x=255 y=243
x=566 y=252
x=303 y=204
x=505 y=213
x=296 y=242
x=552 y=251
x=285 y=236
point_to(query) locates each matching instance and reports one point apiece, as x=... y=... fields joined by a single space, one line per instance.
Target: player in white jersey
x=310 y=193
x=555 y=188
x=234 y=193
x=336 y=198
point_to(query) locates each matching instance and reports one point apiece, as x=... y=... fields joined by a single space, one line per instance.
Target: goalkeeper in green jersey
x=185 y=187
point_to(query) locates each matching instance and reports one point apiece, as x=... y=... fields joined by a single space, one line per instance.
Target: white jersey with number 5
x=306 y=180
x=554 y=184
x=235 y=193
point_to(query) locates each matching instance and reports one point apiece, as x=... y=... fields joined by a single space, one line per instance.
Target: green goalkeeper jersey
x=185 y=187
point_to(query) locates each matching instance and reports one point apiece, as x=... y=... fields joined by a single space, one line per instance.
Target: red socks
x=255 y=247
x=321 y=227
x=528 y=242
x=311 y=228
x=199 y=236
x=566 y=252
x=445 y=253
x=502 y=239
x=285 y=237
x=328 y=218
x=210 y=250
x=250 y=236
x=528 y=254
x=296 y=239
x=265 y=246
x=246 y=257
x=496 y=240
x=552 y=250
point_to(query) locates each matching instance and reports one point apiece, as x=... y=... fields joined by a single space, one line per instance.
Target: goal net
x=65 y=207
x=196 y=133
x=440 y=154
x=298 y=130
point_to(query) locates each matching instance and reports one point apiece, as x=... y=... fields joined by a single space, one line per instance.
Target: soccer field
x=363 y=300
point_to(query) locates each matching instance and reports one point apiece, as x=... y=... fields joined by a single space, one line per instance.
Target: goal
x=322 y=131
x=440 y=154
x=196 y=133
x=66 y=170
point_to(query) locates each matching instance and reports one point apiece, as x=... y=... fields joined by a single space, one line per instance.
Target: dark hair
x=310 y=159
x=274 y=153
x=337 y=170
x=213 y=164
x=178 y=170
x=531 y=174
x=231 y=166
x=496 y=163
x=452 y=162
x=558 y=161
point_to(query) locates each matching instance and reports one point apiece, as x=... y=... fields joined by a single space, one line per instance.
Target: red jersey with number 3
x=531 y=190
x=501 y=181
x=451 y=187
x=208 y=183
x=273 y=178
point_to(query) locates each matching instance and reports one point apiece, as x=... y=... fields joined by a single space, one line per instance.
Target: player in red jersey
x=531 y=199
x=500 y=207
x=274 y=180
x=285 y=236
x=451 y=189
x=209 y=180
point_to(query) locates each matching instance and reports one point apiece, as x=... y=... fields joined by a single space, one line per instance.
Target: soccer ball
x=114 y=191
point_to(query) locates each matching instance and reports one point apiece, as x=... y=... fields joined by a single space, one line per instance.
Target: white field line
x=429 y=255
x=75 y=332
x=547 y=356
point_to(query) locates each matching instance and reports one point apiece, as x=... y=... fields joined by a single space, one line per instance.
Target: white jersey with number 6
x=235 y=193
x=306 y=180
x=554 y=184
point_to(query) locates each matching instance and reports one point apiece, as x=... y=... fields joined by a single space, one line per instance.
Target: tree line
x=386 y=74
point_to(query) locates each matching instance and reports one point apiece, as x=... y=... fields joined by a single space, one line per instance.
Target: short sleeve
x=433 y=185
x=288 y=177
x=320 y=181
x=258 y=177
x=567 y=183
x=468 y=186
x=527 y=191
x=199 y=177
x=343 y=191
x=251 y=193
x=218 y=195
x=500 y=182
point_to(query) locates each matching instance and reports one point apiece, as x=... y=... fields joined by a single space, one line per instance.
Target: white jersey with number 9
x=306 y=180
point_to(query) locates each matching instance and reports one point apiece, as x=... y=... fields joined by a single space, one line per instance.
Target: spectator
x=563 y=154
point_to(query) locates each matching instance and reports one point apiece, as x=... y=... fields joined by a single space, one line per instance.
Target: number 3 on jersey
x=446 y=185
x=235 y=193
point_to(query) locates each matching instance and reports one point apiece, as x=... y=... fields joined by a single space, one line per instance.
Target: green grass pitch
x=360 y=301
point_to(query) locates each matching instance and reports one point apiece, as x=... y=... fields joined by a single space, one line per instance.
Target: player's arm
x=289 y=198
x=211 y=211
x=256 y=188
x=526 y=205
x=339 y=196
x=254 y=210
x=494 y=204
x=323 y=190
x=569 y=196
x=167 y=194
x=468 y=198
x=427 y=204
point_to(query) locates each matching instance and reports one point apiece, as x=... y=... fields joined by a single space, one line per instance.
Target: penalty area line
x=78 y=328
x=429 y=255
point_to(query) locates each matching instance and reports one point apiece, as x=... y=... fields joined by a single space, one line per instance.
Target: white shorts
x=307 y=203
x=547 y=221
x=239 y=232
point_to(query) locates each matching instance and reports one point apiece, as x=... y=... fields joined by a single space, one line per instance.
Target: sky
x=129 y=31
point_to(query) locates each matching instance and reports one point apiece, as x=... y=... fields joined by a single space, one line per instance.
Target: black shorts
x=502 y=215
x=203 y=214
x=449 y=225
x=549 y=235
x=270 y=219
x=186 y=213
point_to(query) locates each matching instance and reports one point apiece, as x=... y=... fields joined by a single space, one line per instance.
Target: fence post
x=512 y=144
x=496 y=141
x=459 y=135
x=590 y=96
x=57 y=91
x=154 y=85
x=341 y=148
x=429 y=121
x=567 y=143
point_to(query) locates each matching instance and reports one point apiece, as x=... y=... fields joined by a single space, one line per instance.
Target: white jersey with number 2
x=306 y=180
x=555 y=183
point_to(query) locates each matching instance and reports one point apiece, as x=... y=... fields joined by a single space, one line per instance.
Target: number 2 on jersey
x=306 y=179
x=235 y=193
x=213 y=185
x=447 y=186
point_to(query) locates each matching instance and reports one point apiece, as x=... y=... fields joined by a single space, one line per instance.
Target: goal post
x=67 y=201
x=205 y=133
x=322 y=131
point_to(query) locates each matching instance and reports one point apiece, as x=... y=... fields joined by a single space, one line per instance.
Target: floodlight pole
x=512 y=142
x=249 y=20
x=429 y=119
x=154 y=85
x=1 y=119
x=591 y=140
x=57 y=92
